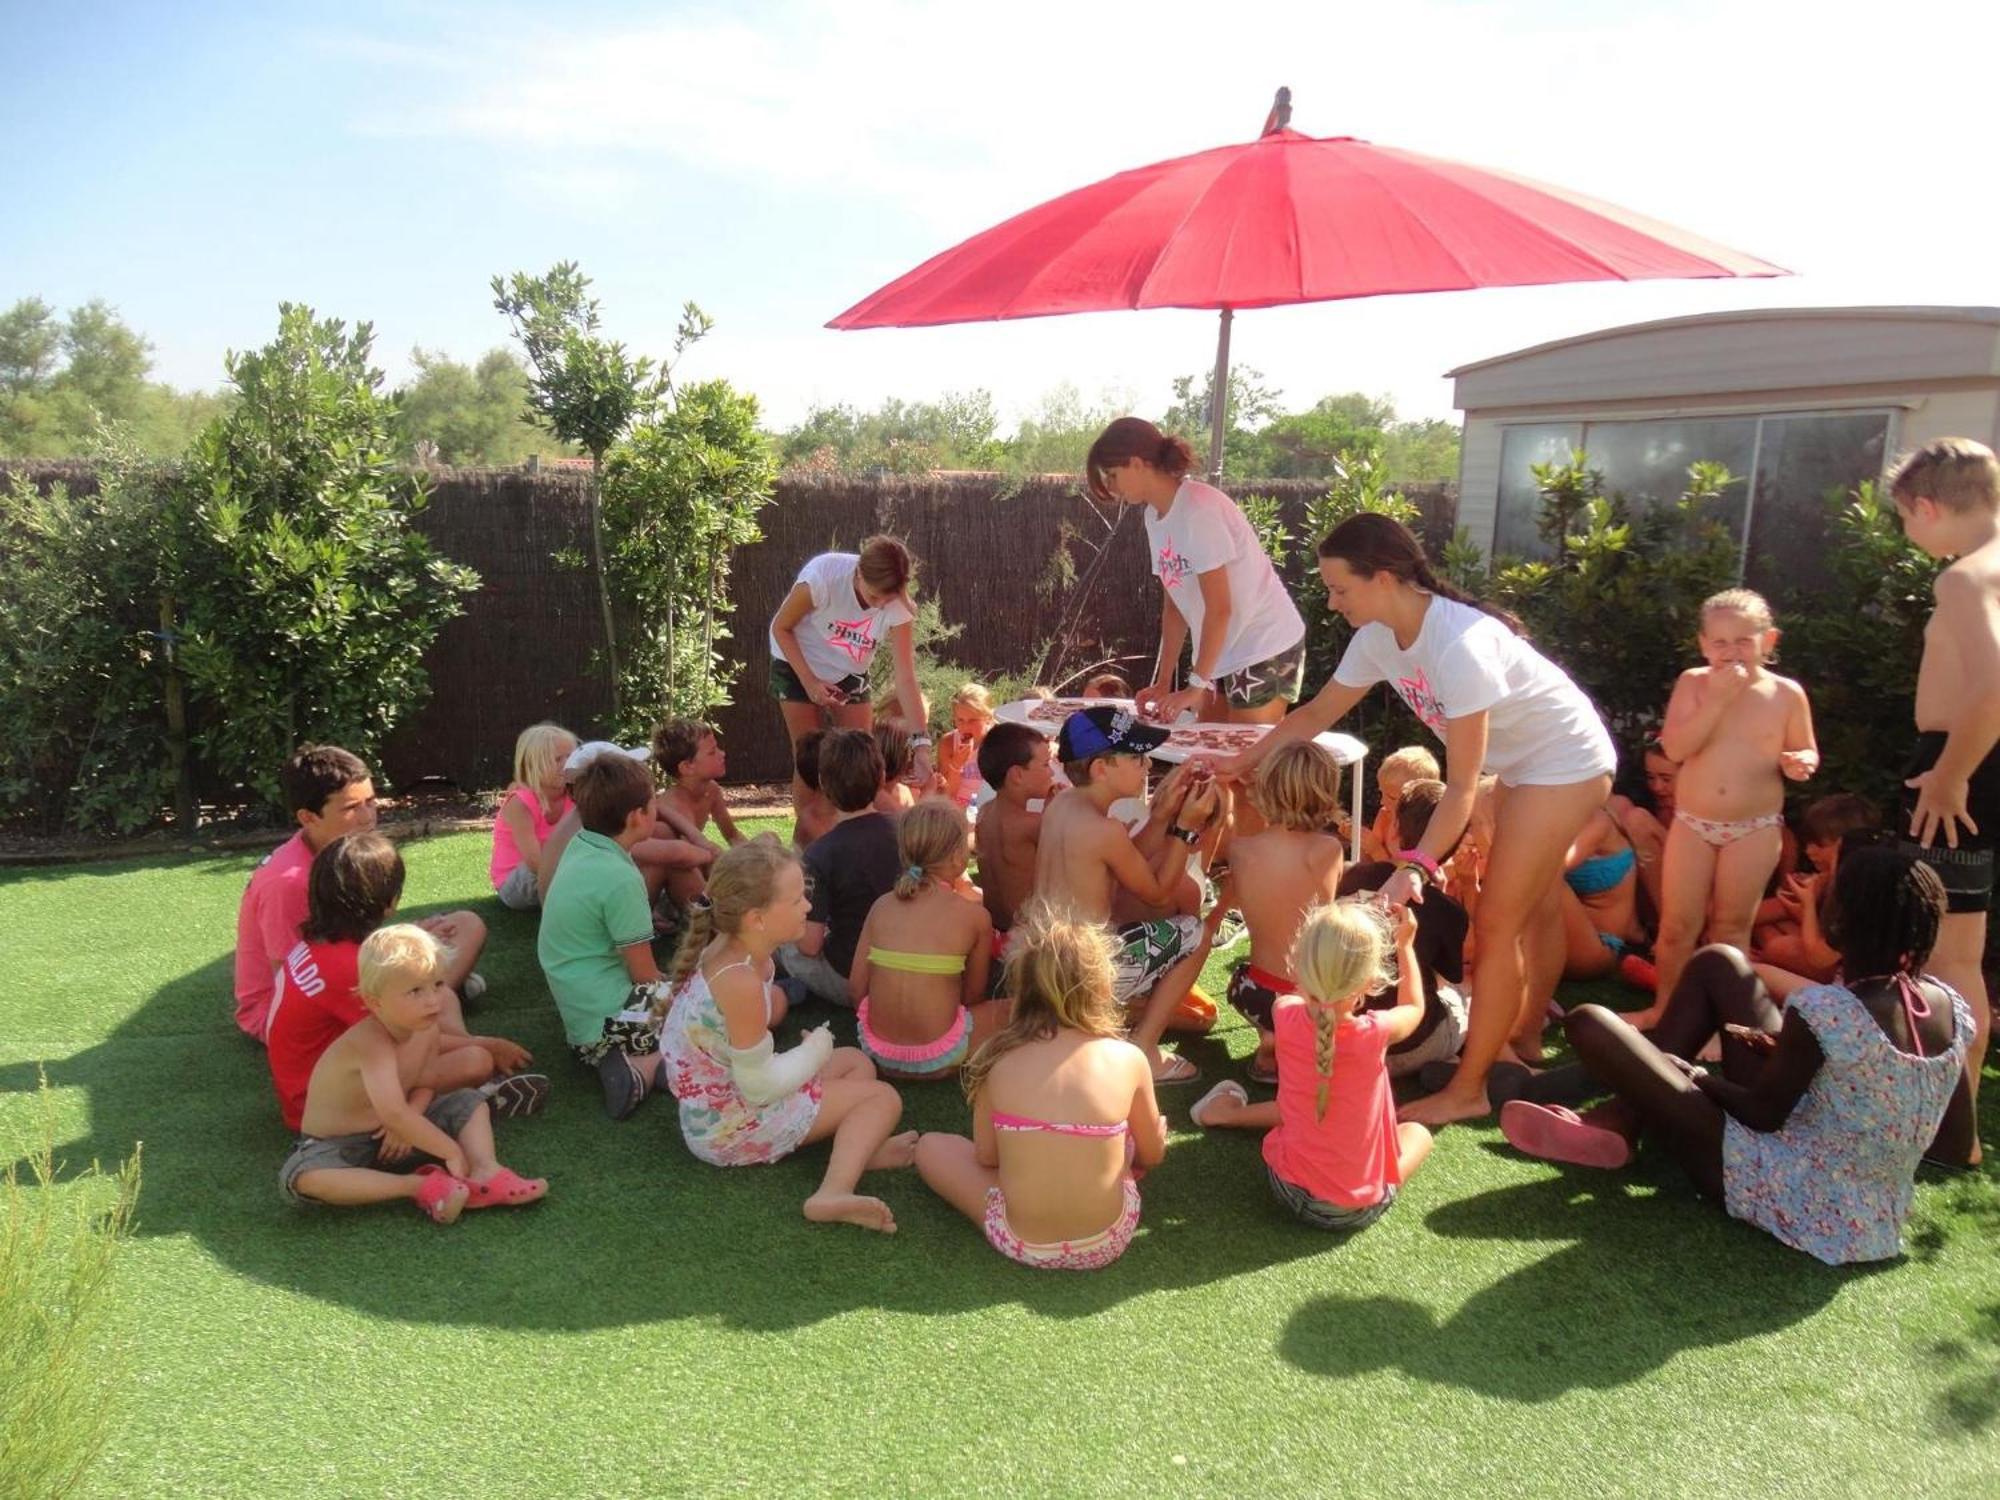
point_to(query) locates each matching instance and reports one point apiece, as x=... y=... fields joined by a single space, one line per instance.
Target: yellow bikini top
x=916 y=963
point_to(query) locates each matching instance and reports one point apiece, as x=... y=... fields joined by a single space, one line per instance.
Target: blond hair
x=1748 y=603
x=1343 y=954
x=929 y=836
x=743 y=879
x=1060 y=973
x=537 y=752
x=1411 y=763
x=973 y=695
x=1298 y=787
x=389 y=952
x=1957 y=473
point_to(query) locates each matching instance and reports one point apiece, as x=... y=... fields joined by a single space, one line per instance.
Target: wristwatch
x=1188 y=836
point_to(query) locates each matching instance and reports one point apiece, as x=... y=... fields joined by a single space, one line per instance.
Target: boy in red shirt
x=330 y=793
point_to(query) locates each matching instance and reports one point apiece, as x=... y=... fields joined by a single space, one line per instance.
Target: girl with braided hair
x=1813 y=1126
x=742 y=1102
x=1335 y=1154
x=1501 y=707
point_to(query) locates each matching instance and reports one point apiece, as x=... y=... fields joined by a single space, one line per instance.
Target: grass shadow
x=1603 y=1311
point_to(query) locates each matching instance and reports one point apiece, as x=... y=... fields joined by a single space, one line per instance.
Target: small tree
x=681 y=494
x=307 y=599
x=585 y=390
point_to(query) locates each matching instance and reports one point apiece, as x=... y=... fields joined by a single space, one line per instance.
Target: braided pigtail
x=1324 y=1021
x=699 y=933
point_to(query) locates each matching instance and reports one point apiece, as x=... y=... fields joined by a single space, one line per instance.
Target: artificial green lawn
x=661 y=1327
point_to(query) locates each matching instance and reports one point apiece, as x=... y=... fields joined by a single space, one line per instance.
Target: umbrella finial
x=1280 y=115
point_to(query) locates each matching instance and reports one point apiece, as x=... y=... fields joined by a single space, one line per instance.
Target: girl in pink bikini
x=1738 y=732
x=1063 y=1114
x=922 y=960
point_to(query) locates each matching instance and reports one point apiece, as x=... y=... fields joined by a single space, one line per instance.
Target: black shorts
x=785 y=686
x=1253 y=992
x=1967 y=871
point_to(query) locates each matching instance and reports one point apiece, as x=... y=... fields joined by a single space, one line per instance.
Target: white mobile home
x=1796 y=401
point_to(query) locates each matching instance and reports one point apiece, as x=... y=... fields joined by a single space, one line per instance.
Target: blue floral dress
x=1837 y=1179
x=719 y=1125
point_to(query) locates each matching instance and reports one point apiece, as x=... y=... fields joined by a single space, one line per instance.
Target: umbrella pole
x=1218 y=401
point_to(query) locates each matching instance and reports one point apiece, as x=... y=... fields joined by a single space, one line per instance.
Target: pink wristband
x=1421 y=860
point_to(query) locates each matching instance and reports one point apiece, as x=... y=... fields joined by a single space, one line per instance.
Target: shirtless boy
x=1948 y=495
x=688 y=757
x=1276 y=876
x=1015 y=760
x=1085 y=857
x=366 y=1120
x=1738 y=731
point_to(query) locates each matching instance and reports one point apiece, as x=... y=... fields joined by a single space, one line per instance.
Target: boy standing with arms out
x=330 y=793
x=1085 y=858
x=596 y=939
x=688 y=756
x=1014 y=759
x=364 y=1108
x=1948 y=495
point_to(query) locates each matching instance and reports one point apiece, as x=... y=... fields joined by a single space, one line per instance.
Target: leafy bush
x=1620 y=606
x=58 y=1247
x=272 y=590
x=307 y=599
x=681 y=494
x=1856 y=644
x=82 y=735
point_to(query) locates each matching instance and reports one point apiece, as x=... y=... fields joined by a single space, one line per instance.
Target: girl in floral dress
x=742 y=1102
x=1813 y=1127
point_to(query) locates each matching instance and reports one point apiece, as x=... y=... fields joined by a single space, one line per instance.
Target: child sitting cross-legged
x=368 y=1117
x=352 y=889
x=1014 y=759
x=535 y=803
x=1334 y=1153
x=920 y=967
x=958 y=752
x=741 y=1101
x=1442 y=927
x=1276 y=876
x=848 y=868
x=687 y=756
x=1085 y=859
x=596 y=940
x=1062 y=1109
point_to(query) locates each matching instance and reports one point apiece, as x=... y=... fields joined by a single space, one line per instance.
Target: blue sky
x=194 y=165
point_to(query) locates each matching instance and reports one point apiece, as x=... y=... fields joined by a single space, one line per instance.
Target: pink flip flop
x=1557 y=1134
x=506 y=1188
x=442 y=1195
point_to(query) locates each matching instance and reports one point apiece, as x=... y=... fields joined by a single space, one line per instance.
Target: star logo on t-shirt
x=855 y=637
x=1416 y=692
x=1172 y=566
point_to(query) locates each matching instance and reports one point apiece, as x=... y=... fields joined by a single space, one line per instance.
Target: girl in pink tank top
x=534 y=804
x=1334 y=1154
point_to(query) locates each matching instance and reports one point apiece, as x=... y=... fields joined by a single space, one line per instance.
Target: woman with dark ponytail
x=1500 y=706
x=1218 y=582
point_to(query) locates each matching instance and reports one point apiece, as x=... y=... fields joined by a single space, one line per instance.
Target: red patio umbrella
x=1286 y=218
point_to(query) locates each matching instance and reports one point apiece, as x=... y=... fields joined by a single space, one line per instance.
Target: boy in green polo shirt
x=596 y=941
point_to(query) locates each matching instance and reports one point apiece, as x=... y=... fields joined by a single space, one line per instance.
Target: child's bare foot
x=1446 y=1107
x=1643 y=1020
x=1526 y=1050
x=897 y=1151
x=851 y=1208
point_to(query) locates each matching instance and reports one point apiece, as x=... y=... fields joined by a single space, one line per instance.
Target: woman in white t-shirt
x=1219 y=585
x=825 y=635
x=1500 y=706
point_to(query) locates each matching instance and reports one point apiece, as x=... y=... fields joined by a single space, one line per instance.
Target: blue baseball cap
x=1107 y=730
